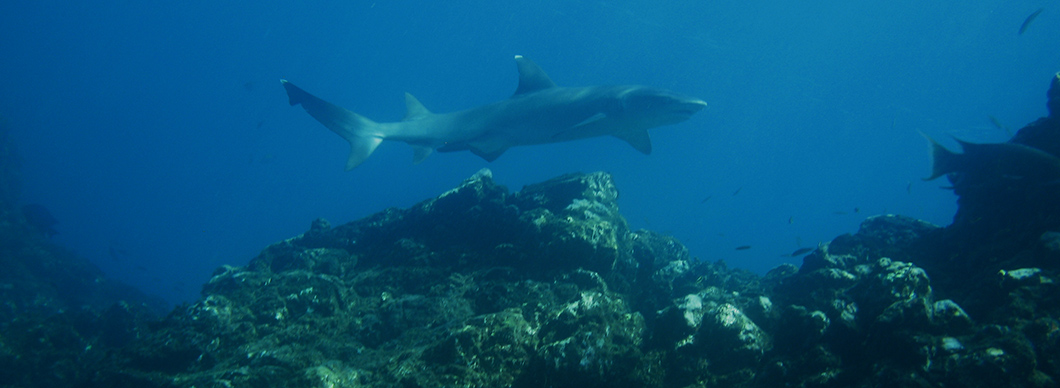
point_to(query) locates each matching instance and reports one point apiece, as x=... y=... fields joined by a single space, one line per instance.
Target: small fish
x=743 y=247
x=791 y=220
x=997 y=123
x=909 y=187
x=737 y=191
x=1027 y=22
x=857 y=210
x=706 y=199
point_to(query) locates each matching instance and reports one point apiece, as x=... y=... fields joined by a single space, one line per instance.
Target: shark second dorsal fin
x=414 y=109
x=531 y=77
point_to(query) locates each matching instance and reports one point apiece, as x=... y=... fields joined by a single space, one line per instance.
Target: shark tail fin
x=943 y=161
x=363 y=134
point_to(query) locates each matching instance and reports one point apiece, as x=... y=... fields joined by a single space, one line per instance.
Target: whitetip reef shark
x=538 y=113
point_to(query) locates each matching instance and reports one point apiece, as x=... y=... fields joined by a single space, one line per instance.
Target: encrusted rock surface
x=547 y=287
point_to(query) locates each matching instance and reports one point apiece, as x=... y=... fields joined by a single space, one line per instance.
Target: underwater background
x=158 y=135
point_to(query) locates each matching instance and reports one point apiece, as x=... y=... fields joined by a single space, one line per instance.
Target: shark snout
x=692 y=106
x=684 y=109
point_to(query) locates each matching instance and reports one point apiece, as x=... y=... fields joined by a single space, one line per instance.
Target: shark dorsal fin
x=414 y=108
x=531 y=77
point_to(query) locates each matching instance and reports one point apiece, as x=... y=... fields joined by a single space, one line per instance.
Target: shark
x=540 y=112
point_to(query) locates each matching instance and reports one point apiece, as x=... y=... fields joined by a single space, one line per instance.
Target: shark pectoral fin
x=419 y=153
x=489 y=155
x=361 y=149
x=489 y=148
x=637 y=139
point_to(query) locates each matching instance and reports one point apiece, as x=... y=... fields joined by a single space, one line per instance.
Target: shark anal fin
x=414 y=108
x=531 y=77
x=638 y=139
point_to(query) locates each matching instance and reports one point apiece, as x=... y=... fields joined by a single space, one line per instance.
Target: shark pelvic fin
x=531 y=77
x=363 y=134
x=414 y=108
x=638 y=139
x=419 y=153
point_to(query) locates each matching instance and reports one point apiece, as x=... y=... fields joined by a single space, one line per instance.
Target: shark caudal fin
x=363 y=134
x=943 y=161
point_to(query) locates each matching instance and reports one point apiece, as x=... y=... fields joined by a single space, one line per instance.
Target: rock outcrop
x=548 y=287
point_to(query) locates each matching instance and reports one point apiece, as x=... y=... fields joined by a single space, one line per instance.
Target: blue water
x=159 y=136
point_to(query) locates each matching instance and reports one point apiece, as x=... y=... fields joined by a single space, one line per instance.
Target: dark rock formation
x=548 y=287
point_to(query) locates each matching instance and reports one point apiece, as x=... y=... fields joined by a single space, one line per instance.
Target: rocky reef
x=548 y=287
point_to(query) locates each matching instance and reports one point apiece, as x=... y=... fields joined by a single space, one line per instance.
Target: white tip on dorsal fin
x=414 y=108
x=531 y=77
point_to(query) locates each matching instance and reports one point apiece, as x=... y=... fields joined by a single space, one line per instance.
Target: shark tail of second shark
x=943 y=161
x=363 y=134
